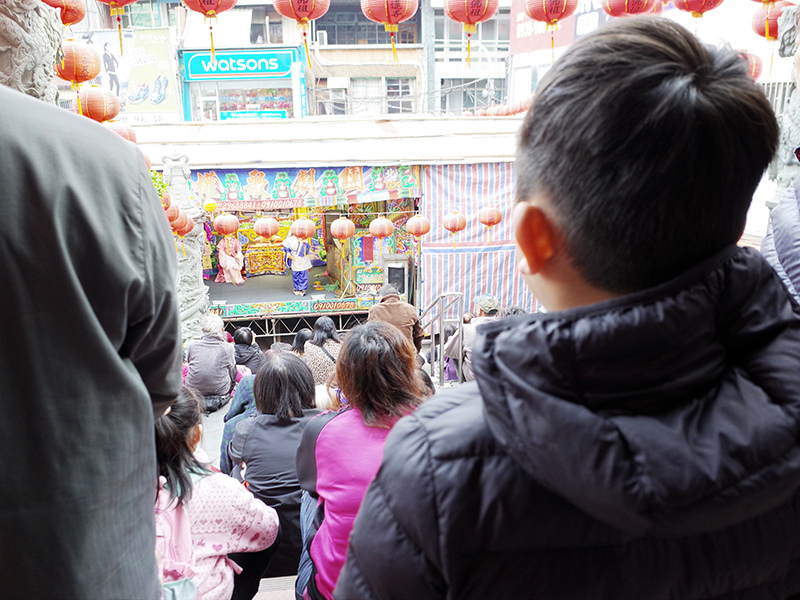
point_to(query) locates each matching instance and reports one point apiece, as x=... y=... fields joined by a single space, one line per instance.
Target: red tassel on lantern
x=389 y=13
x=303 y=12
x=210 y=9
x=470 y=14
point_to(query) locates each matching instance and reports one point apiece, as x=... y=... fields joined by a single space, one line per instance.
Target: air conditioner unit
x=322 y=37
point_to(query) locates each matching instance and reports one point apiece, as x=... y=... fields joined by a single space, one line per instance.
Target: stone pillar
x=192 y=292
x=30 y=40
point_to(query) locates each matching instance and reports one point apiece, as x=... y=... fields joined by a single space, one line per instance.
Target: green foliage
x=159 y=183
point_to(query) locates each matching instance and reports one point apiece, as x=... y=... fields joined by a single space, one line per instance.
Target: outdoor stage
x=268 y=306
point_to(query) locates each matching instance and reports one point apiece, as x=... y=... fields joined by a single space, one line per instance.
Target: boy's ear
x=536 y=236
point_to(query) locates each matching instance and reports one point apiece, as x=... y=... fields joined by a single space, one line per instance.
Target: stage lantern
x=266 y=227
x=550 y=12
x=381 y=228
x=117 y=9
x=418 y=226
x=304 y=228
x=187 y=228
x=79 y=63
x=389 y=13
x=210 y=205
x=210 y=9
x=226 y=224
x=755 y=65
x=624 y=8
x=180 y=221
x=72 y=11
x=303 y=12
x=343 y=228
x=99 y=104
x=696 y=7
x=765 y=20
x=166 y=201
x=172 y=211
x=490 y=216
x=454 y=222
x=122 y=130
x=470 y=14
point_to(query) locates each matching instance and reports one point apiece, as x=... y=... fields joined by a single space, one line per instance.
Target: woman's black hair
x=243 y=335
x=173 y=435
x=324 y=330
x=284 y=386
x=300 y=339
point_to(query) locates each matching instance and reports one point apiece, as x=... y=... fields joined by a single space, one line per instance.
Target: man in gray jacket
x=90 y=353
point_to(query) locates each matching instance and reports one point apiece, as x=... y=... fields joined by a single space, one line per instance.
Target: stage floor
x=267 y=288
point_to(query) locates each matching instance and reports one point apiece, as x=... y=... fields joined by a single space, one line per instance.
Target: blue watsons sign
x=239 y=64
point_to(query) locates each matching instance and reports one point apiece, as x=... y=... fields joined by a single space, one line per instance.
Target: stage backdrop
x=476 y=265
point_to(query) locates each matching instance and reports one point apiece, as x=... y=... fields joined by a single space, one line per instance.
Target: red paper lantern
x=381 y=228
x=343 y=228
x=180 y=221
x=126 y=131
x=470 y=13
x=97 y=103
x=187 y=228
x=210 y=9
x=418 y=226
x=755 y=65
x=304 y=228
x=696 y=7
x=266 y=227
x=303 y=12
x=550 y=12
x=624 y=8
x=72 y=11
x=173 y=212
x=117 y=9
x=454 y=222
x=765 y=19
x=166 y=201
x=658 y=7
x=389 y=13
x=226 y=224
x=80 y=62
x=490 y=216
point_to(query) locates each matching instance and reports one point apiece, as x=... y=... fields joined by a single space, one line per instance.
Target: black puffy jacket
x=644 y=447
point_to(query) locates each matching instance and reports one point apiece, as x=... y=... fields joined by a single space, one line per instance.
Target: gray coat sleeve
x=394 y=548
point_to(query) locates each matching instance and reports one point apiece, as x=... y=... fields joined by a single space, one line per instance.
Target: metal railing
x=437 y=313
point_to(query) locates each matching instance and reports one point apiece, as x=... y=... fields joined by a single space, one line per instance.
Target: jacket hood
x=671 y=411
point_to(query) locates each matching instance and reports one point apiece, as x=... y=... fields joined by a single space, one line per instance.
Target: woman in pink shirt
x=341 y=451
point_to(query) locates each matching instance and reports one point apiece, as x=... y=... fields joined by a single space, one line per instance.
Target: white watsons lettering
x=240 y=64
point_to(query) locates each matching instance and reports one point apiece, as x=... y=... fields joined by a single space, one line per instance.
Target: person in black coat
x=642 y=438
x=246 y=351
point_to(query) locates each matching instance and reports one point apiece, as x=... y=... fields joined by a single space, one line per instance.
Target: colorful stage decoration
x=226 y=224
x=79 y=63
x=117 y=9
x=624 y=8
x=266 y=227
x=389 y=13
x=765 y=19
x=343 y=228
x=697 y=7
x=755 y=65
x=303 y=12
x=470 y=14
x=304 y=228
x=210 y=205
x=210 y=9
x=99 y=104
x=72 y=11
x=550 y=12
x=121 y=129
x=490 y=216
x=454 y=222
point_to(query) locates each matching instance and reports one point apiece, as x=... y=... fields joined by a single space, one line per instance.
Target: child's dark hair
x=175 y=458
x=647 y=146
x=284 y=386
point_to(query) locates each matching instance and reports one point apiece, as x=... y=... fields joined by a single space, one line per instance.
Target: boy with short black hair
x=640 y=440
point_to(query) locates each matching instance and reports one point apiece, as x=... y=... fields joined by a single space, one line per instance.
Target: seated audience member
x=641 y=439
x=487 y=311
x=322 y=349
x=243 y=406
x=341 y=451
x=246 y=350
x=211 y=365
x=300 y=339
x=224 y=517
x=511 y=311
x=267 y=445
x=280 y=347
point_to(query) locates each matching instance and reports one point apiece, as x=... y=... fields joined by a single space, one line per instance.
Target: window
x=400 y=95
x=349 y=26
x=492 y=35
x=366 y=96
x=331 y=101
x=459 y=95
x=143 y=13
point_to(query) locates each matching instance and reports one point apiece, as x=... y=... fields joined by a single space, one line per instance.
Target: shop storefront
x=263 y=83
